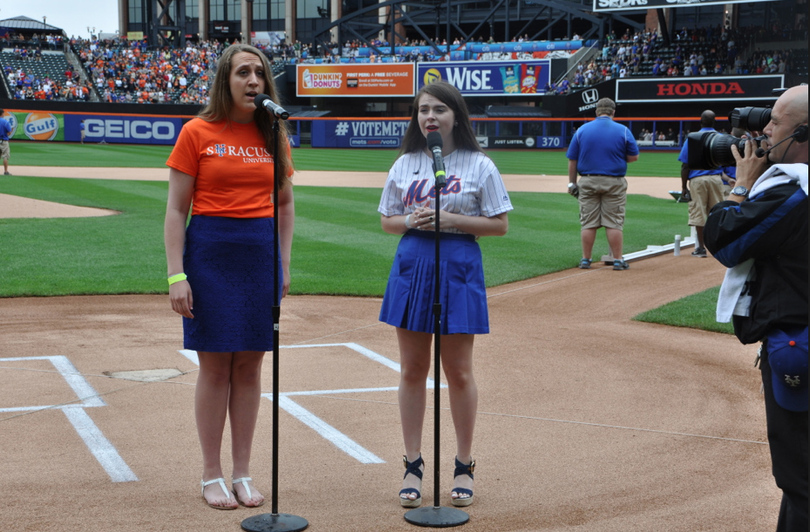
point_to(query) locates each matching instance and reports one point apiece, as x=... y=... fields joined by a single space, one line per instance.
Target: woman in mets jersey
x=473 y=203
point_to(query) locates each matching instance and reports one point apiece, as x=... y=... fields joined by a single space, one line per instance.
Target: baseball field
x=588 y=419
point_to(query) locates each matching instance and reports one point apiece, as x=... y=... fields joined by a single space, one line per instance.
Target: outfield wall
x=341 y=133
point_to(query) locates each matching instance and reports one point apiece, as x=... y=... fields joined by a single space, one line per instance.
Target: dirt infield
x=588 y=421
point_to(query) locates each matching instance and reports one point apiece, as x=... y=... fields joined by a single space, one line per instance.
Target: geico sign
x=129 y=129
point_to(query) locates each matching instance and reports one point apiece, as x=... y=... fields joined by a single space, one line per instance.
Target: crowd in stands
x=28 y=86
x=706 y=51
x=48 y=40
x=130 y=71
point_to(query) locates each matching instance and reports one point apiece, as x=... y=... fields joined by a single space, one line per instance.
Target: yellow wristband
x=177 y=278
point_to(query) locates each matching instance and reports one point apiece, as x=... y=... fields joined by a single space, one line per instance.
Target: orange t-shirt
x=232 y=168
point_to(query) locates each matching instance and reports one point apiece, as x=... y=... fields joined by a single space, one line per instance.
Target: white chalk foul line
x=98 y=445
x=327 y=431
x=102 y=449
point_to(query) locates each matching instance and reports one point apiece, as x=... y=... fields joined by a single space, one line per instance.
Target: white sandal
x=221 y=482
x=244 y=481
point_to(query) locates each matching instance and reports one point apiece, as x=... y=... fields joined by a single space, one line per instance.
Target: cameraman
x=761 y=236
x=705 y=187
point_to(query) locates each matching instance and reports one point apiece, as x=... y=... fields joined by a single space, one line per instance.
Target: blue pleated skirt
x=229 y=264
x=408 y=300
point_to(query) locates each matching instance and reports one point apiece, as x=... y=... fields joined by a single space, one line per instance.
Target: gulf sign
x=35 y=125
x=481 y=78
x=355 y=79
x=40 y=126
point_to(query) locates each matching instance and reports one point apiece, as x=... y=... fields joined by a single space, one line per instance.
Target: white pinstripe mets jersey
x=474 y=186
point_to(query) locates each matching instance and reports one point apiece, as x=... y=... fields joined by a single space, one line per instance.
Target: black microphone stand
x=437 y=516
x=275 y=521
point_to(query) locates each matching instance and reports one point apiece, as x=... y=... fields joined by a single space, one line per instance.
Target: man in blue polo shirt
x=5 y=132
x=599 y=153
x=705 y=187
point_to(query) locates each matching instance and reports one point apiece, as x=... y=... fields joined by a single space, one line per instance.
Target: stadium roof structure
x=27 y=23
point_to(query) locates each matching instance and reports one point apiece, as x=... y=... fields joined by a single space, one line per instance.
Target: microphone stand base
x=274 y=523
x=437 y=517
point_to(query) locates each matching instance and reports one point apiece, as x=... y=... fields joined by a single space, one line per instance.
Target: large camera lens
x=750 y=118
x=710 y=149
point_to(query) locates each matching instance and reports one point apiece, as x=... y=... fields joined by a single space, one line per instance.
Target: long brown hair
x=463 y=135
x=221 y=103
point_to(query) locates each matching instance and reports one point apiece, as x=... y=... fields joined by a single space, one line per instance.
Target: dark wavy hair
x=221 y=103
x=463 y=135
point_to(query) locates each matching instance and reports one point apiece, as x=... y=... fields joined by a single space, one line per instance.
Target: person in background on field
x=221 y=266
x=5 y=133
x=473 y=204
x=760 y=233
x=599 y=153
x=82 y=130
x=704 y=189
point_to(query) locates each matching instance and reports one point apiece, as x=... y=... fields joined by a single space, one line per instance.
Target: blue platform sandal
x=464 y=496
x=411 y=468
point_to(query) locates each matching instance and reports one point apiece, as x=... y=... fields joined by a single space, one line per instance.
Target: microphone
x=264 y=101
x=434 y=142
x=798 y=133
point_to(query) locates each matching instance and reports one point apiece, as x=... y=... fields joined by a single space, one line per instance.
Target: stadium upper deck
x=127 y=71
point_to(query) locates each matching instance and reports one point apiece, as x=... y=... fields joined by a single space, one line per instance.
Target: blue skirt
x=408 y=300
x=229 y=264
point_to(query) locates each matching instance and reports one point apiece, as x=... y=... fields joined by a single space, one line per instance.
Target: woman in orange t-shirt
x=221 y=266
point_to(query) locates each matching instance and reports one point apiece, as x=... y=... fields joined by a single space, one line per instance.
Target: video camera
x=710 y=149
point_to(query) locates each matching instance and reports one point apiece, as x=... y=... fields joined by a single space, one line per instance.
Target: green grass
x=549 y=162
x=339 y=247
x=696 y=311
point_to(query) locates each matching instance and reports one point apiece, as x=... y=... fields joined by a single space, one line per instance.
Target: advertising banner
x=481 y=78
x=58 y=127
x=358 y=133
x=355 y=79
x=123 y=129
x=267 y=38
x=626 y=5
x=36 y=125
x=740 y=89
x=549 y=142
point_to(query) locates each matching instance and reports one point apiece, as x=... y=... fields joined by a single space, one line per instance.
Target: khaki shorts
x=5 y=151
x=602 y=201
x=707 y=191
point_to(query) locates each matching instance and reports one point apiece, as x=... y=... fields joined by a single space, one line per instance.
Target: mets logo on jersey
x=220 y=149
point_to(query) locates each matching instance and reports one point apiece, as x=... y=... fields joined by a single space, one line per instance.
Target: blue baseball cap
x=788 y=357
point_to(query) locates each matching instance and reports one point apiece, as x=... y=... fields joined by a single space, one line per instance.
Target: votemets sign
x=355 y=79
x=358 y=133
